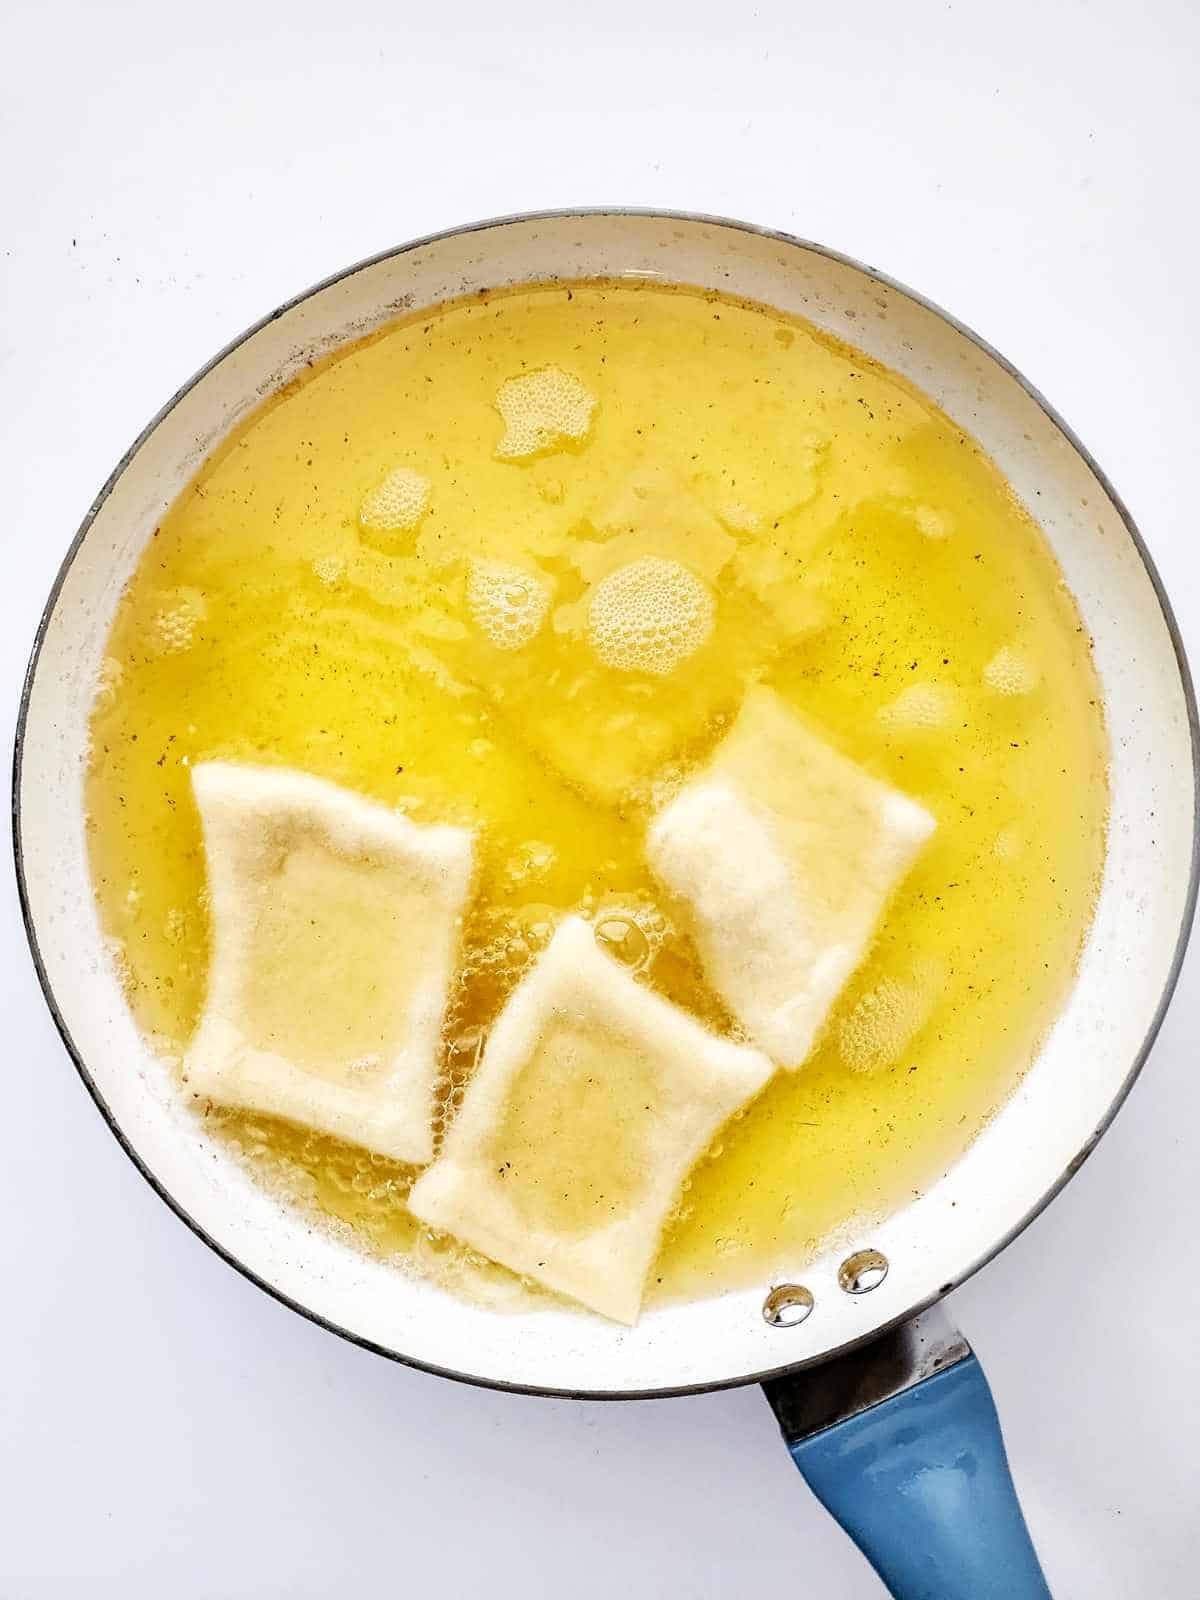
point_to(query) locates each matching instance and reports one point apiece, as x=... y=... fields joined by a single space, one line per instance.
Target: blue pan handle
x=915 y=1471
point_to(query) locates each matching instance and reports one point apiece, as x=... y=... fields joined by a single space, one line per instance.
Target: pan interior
x=932 y=1242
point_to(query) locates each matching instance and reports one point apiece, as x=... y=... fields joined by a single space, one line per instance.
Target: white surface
x=164 y=1428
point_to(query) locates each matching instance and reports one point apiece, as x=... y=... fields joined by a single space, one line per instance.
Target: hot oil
x=814 y=523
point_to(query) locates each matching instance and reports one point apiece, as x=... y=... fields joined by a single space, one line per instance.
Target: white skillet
x=1087 y=1063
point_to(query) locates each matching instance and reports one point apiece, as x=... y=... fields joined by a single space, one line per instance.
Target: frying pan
x=885 y=1409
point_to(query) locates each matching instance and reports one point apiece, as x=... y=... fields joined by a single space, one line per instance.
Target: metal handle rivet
x=863 y=1271
x=787 y=1305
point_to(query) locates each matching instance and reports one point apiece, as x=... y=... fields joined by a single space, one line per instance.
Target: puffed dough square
x=335 y=929
x=593 y=1100
x=784 y=854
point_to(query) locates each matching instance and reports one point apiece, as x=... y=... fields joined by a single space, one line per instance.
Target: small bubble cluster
x=463 y=1050
x=329 y=570
x=660 y=787
x=541 y=410
x=650 y=616
x=933 y=524
x=530 y=861
x=507 y=604
x=355 y=1194
x=397 y=504
x=738 y=516
x=118 y=958
x=498 y=951
x=169 y=1051
x=108 y=680
x=883 y=1023
x=1009 y=843
x=1010 y=671
x=455 y=1266
x=176 y=616
x=921 y=708
x=535 y=924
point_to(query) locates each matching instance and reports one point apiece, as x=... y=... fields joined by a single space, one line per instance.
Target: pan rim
x=1064 y=429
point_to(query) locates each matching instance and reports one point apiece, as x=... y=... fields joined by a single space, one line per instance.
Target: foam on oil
x=513 y=562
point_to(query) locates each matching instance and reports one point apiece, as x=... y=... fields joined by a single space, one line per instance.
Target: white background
x=167 y=174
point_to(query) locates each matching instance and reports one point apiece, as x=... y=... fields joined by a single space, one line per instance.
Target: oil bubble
x=921 y=708
x=176 y=616
x=1011 y=672
x=329 y=570
x=650 y=616
x=395 y=505
x=108 y=680
x=882 y=1024
x=507 y=604
x=933 y=524
x=531 y=861
x=621 y=937
x=542 y=410
x=631 y=928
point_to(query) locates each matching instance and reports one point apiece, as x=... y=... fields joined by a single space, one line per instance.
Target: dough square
x=335 y=928
x=593 y=1100
x=783 y=854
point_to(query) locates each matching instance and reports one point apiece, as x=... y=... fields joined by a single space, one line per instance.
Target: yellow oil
x=867 y=560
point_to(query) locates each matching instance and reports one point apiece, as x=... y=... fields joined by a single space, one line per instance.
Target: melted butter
x=863 y=557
